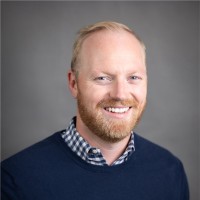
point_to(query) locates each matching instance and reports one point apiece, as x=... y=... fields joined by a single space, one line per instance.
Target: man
x=99 y=156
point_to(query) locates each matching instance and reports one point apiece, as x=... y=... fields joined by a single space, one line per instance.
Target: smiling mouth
x=117 y=110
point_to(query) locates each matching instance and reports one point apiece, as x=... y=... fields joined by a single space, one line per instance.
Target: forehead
x=105 y=47
x=100 y=38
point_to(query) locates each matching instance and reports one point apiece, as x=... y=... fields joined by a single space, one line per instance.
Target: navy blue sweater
x=49 y=170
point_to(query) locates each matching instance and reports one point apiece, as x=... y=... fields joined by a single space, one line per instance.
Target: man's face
x=111 y=84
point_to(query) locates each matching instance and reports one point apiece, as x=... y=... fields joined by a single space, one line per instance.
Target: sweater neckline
x=87 y=166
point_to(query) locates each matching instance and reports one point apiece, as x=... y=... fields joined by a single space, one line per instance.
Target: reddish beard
x=117 y=102
x=109 y=130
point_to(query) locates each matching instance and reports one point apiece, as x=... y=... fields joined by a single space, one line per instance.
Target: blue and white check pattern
x=90 y=154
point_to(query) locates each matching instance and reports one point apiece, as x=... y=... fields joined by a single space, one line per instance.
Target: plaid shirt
x=88 y=153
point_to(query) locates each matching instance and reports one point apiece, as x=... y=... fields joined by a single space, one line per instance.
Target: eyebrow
x=94 y=74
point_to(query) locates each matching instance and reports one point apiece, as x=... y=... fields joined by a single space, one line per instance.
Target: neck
x=110 y=151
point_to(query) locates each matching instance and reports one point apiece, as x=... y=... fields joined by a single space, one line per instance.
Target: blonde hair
x=99 y=26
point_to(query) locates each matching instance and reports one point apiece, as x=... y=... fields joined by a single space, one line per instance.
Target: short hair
x=99 y=26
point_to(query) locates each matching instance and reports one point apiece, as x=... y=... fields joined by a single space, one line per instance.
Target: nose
x=120 y=90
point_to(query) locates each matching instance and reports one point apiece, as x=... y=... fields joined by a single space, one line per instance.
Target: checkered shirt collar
x=88 y=153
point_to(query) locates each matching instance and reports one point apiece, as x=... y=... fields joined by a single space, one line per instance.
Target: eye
x=135 y=78
x=102 y=79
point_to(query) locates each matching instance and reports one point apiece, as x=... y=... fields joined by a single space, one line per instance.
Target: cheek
x=140 y=94
x=91 y=95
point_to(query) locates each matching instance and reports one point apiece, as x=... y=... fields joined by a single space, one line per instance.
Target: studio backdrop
x=37 y=39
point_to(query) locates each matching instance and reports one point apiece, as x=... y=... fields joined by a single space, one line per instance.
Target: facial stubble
x=109 y=129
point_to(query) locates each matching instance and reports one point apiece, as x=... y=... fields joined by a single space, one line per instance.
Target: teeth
x=117 y=110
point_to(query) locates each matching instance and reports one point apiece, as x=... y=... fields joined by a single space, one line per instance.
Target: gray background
x=37 y=39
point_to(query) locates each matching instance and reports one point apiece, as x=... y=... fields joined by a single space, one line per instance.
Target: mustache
x=118 y=102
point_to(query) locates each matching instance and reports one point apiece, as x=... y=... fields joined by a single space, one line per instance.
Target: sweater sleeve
x=8 y=187
x=184 y=191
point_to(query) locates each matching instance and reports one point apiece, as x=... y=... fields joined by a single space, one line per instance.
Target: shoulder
x=33 y=155
x=32 y=169
x=151 y=153
x=160 y=168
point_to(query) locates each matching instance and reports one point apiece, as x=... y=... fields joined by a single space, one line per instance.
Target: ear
x=72 y=83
